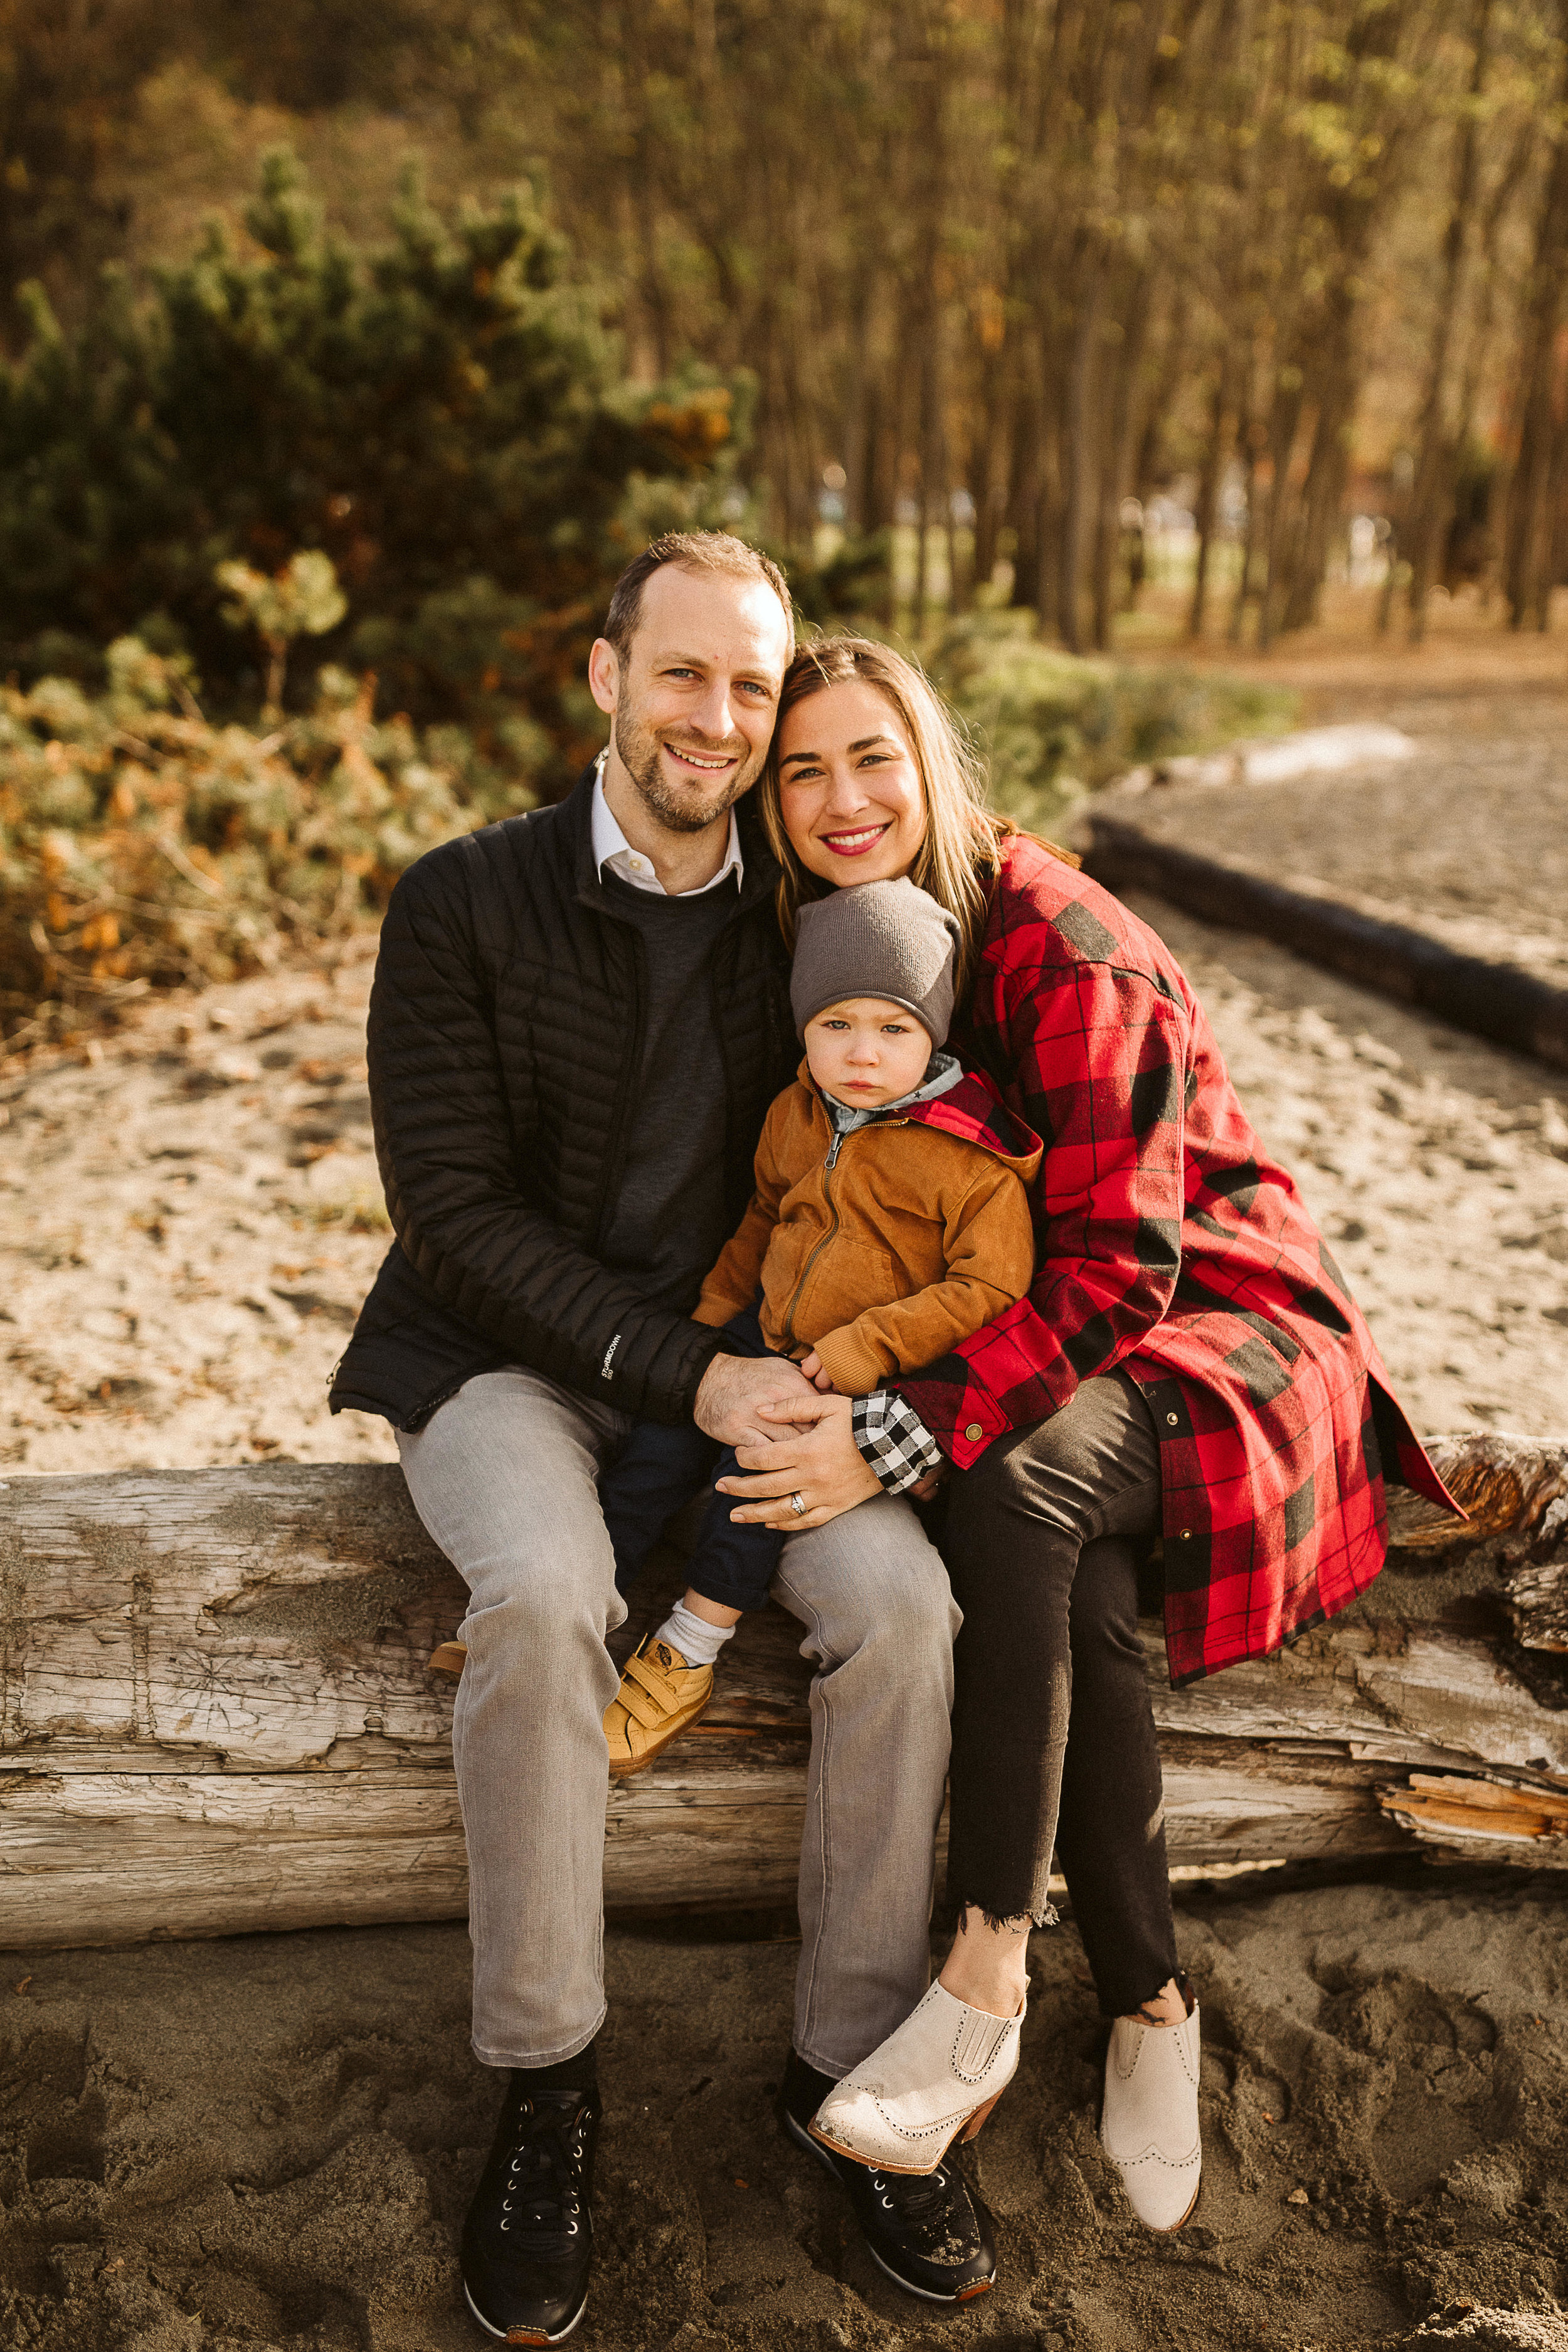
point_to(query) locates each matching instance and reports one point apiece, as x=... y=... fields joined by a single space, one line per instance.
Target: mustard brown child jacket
x=881 y=1248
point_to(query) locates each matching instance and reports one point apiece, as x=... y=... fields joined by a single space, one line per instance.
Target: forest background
x=315 y=467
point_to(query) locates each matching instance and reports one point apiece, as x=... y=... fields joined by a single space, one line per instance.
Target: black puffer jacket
x=505 y=1034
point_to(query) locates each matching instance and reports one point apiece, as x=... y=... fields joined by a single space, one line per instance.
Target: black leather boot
x=927 y=2230
x=528 y=2241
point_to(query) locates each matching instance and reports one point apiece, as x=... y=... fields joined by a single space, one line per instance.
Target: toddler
x=890 y=1220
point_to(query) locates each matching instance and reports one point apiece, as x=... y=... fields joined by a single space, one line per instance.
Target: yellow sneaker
x=660 y=1696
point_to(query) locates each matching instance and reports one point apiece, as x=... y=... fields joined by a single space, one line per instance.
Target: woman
x=1188 y=1364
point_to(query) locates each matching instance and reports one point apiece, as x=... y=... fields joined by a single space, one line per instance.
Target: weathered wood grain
x=1483 y=1818
x=216 y=1711
x=111 y=1857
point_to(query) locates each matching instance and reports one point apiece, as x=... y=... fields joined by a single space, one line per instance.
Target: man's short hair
x=694 y=550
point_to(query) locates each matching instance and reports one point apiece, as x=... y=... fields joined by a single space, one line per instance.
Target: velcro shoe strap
x=660 y=1687
x=640 y=1709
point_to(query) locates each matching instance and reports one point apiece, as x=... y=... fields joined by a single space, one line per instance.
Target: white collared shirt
x=612 y=848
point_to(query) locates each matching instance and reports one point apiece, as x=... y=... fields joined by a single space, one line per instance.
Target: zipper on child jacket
x=827 y=1167
x=840 y=1138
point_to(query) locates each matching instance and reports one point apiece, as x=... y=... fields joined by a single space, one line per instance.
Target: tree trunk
x=641 y=177
x=1026 y=497
x=216 y=1713
x=1116 y=457
x=1322 y=492
x=989 y=459
x=1284 y=419
x=1051 y=506
x=1431 y=492
x=1530 y=523
x=1398 y=527
x=1489 y=274
x=1251 y=536
x=958 y=581
x=1208 y=490
x=1149 y=471
x=881 y=456
x=1078 y=437
x=858 y=403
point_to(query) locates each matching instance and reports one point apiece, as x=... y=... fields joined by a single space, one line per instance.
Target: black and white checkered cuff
x=893 y=1439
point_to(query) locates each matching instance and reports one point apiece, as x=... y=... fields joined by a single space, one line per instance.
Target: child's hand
x=812 y=1367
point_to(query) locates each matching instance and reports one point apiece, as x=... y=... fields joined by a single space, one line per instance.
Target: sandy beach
x=266 y=2143
x=269 y=2143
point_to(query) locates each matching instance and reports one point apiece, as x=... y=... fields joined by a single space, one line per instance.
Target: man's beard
x=638 y=751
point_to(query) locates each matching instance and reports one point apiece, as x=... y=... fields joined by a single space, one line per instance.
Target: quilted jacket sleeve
x=1100 y=1059
x=451 y=1152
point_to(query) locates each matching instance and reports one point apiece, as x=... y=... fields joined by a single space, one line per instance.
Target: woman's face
x=849 y=789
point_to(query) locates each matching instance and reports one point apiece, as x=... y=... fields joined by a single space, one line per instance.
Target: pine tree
x=443 y=419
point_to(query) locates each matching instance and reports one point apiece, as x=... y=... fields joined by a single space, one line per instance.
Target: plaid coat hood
x=1169 y=1246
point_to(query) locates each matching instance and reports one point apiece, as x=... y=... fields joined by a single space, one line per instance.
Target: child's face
x=867 y=1052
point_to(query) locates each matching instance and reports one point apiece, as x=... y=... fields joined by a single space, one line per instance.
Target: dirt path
x=1467 y=841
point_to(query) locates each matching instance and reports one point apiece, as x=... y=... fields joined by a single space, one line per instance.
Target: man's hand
x=736 y=1389
x=817 y=1458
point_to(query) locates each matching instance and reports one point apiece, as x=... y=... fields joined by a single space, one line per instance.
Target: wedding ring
x=797 y=1505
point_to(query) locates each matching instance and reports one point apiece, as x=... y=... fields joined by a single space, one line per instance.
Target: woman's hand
x=816 y=1458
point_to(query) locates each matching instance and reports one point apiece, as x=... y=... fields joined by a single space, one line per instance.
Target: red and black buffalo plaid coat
x=1169 y=1245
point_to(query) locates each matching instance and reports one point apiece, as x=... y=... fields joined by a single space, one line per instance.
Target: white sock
x=698 y=1642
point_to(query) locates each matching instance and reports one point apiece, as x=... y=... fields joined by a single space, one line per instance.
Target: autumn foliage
x=437 y=419
x=141 y=845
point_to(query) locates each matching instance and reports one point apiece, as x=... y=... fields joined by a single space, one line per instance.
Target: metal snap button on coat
x=974 y=1433
x=1173 y=1418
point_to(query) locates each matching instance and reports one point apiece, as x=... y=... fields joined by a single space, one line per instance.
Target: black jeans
x=656 y=1473
x=1053 y=1735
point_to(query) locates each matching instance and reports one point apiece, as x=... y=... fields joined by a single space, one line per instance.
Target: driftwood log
x=1503 y=1001
x=217 y=1714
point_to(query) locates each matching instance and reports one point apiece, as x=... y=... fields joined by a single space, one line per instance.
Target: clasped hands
x=790 y=1439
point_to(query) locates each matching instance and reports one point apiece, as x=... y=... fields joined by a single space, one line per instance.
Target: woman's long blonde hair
x=959 y=852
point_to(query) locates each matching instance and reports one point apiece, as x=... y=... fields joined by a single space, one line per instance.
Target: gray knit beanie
x=875 y=939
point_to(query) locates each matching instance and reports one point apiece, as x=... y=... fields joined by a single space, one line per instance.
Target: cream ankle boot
x=933 y=2081
x=1149 y=2124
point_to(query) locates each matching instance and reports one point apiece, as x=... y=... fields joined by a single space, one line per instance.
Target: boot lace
x=542 y=2202
x=933 y=2208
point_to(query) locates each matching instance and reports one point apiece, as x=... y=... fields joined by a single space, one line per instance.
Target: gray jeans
x=505 y=1478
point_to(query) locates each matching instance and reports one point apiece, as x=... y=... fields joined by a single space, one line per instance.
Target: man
x=579 y=1020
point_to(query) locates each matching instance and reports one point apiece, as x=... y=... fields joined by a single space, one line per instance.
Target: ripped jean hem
x=1047 y=1917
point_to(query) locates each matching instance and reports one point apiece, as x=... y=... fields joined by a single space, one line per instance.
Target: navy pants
x=655 y=1474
